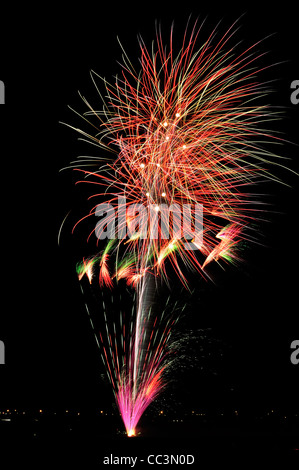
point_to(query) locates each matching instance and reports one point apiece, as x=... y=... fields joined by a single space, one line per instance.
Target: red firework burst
x=186 y=129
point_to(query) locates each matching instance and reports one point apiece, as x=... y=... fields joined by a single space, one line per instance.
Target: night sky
x=249 y=314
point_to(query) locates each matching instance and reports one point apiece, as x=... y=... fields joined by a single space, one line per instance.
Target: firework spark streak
x=185 y=129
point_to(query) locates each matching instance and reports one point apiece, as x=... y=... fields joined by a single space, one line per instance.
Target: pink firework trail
x=185 y=129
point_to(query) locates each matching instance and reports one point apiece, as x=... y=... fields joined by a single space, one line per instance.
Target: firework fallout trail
x=182 y=145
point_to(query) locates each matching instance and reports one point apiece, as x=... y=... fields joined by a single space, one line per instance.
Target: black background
x=51 y=356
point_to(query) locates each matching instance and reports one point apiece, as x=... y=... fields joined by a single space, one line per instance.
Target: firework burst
x=186 y=129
